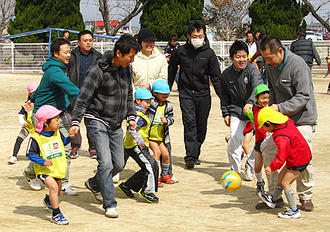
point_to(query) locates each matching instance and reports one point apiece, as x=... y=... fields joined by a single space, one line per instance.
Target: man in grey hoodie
x=292 y=93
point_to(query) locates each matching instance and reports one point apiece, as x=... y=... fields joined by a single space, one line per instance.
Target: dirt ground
x=196 y=203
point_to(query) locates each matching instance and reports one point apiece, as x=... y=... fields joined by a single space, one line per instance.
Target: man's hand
x=28 y=106
x=73 y=131
x=132 y=125
x=275 y=107
x=227 y=120
x=247 y=107
x=48 y=163
x=268 y=171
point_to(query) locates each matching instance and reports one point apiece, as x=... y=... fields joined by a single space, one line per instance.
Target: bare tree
x=226 y=16
x=316 y=15
x=6 y=13
x=104 y=9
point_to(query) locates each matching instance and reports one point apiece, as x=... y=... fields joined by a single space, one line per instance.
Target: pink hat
x=44 y=113
x=31 y=86
x=167 y=54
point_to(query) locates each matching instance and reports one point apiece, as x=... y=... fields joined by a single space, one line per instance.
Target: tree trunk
x=311 y=8
x=104 y=9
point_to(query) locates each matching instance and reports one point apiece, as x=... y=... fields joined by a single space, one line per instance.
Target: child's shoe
x=93 y=155
x=59 y=219
x=125 y=190
x=160 y=184
x=175 y=179
x=74 y=154
x=290 y=213
x=149 y=197
x=260 y=188
x=12 y=160
x=268 y=199
x=167 y=179
x=47 y=203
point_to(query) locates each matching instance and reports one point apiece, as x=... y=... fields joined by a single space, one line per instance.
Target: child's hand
x=142 y=145
x=164 y=120
x=28 y=106
x=48 y=163
x=268 y=171
x=132 y=125
x=227 y=120
x=25 y=124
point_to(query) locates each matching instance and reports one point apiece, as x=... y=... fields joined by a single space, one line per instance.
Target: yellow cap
x=268 y=114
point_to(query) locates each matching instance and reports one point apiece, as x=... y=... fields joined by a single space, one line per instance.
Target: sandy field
x=196 y=203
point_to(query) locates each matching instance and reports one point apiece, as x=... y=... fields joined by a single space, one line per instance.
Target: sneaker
x=167 y=179
x=125 y=190
x=268 y=199
x=12 y=160
x=197 y=162
x=290 y=213
x=34 y=183
x=96 y=194
x=160 y=184
x=175 y=179
x=116 y=178
x=67 y=189
x=59 y=219
x=190 y=164
x=47 y=203
x=264 y=206
x=93 y=155
x=111 y=213
x=260 y=187
x=149 y=197
x=74 y=154
x=306 y=205
x=248 y=173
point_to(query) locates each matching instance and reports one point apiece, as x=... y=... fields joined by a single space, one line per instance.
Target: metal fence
x=29 y=57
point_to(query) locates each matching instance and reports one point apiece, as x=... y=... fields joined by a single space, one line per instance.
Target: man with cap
x=149 y=64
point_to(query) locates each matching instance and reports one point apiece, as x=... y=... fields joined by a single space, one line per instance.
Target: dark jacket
x=237 y=89
x=170 y=49
x=306 y=49
x=75 y=63
x=197 y=67
x=106 y=94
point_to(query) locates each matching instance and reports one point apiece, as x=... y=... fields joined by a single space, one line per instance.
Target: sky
x=89 y=10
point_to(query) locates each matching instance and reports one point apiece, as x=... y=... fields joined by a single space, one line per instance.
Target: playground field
x=196 y=203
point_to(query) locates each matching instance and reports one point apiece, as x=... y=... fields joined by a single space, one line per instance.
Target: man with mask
x=198 y=64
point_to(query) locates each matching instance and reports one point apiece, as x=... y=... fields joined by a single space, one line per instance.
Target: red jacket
x=292 y=148
x=260 y=133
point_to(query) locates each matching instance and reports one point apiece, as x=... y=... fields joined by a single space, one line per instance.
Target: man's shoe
x=74 y=154
x=290 y=213
x=263 y=205
x=67 y=189
x=268 y=199
x=149 y=197
x=93 y=155
x=167 y=179
x=116 y=178
x=190 y=164
x=59 y=219
x=306 y=205
x=12 y=160
x=125 y=190
x=197 y=162
x=111 y=213
x=34 y=183
x=96 y=194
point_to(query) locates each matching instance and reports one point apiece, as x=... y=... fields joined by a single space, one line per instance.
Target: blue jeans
x=109 y=148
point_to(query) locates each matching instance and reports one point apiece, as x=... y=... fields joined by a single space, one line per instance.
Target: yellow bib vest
x=28 y=119
x=129 y=141
x=157 y=127
x=51 y=148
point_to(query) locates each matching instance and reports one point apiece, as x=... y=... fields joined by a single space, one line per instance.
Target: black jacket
x=106 y=94
x=306 y=49
x=170 y=49
x=197 y=67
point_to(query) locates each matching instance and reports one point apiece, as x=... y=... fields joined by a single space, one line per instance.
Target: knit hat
x=146 y=35
x=44 y=113
x=32 y=87
x=268 y=114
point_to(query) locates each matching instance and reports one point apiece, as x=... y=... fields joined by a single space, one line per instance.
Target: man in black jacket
x=105 y=100
x=305 y=48
x=198 y=64
x=82 y=57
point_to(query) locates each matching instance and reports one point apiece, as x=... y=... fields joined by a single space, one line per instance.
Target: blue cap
x=143 y=93
x=161 y=86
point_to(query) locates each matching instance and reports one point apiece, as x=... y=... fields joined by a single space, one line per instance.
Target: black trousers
x=195 y=112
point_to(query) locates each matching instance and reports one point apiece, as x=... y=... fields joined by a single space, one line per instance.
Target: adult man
x=54 y=89
x=252 y=45
x=237 y=86
x=198 y=63
x=106 y=99
x=82 y=57
x=305 y=48
x=292 y=93
x=172 y=45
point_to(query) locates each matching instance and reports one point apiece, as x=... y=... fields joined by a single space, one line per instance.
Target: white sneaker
x=67 y=189
x=111 y=213
x=34 y=184
x=12 y=160
x=249 y=172
x=116 y=178
x=175 y=179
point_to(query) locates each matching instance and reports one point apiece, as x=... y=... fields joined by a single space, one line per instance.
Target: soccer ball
x=231 y=181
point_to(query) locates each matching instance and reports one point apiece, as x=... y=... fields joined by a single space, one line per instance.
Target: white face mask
x=197 y=43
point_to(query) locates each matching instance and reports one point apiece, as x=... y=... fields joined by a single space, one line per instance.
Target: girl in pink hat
x=25 y=120
x=46 y=151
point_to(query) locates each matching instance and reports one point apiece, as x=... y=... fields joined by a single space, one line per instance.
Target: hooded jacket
x=106 y=94
x=54 y=87
x=197 y=67
x=149 y=68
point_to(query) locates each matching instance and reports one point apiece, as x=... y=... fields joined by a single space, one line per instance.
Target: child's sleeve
x=33 y=151
x=283 y=145
x=66 y=140
x=134 y=133
x=169 y=114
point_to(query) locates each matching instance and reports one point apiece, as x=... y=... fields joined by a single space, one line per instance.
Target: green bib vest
x=129 y=141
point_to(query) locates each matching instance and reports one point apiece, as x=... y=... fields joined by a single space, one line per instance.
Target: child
x=293 y=150
x=161 y=117
x=46 y=151
x=25 y=120
x=136 y=145
x=327 y=59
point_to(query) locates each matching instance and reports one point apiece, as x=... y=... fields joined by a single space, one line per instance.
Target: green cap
x=260 y=89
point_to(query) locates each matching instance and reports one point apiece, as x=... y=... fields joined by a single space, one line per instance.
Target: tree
x=281 y=18
x=165 y=17
x=33 y=15
x=6 y=13
x=316 y=15
x=226 y=16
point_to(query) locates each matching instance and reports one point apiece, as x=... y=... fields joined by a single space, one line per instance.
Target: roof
x=113 y=23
